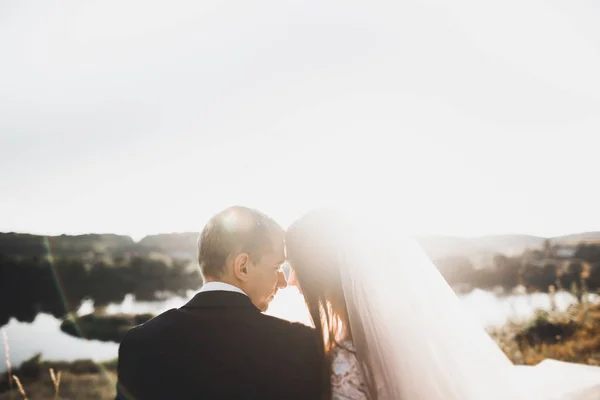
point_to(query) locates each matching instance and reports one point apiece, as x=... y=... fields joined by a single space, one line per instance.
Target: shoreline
x=572 y=335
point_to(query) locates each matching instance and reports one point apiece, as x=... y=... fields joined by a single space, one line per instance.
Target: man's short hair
x=233 y=231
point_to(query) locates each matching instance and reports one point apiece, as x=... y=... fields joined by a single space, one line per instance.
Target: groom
x=220 y=345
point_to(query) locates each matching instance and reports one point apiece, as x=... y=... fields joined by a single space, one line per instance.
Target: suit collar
x=220 y=299
x=220 y=286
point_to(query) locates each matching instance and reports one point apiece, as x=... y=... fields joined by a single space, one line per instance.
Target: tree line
x=105 y=268
x=538 y=270
x=39 y=284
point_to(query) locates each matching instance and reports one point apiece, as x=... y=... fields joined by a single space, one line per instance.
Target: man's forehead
x=279 y=247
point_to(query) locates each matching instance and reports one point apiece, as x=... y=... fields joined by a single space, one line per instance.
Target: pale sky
x=457 y=117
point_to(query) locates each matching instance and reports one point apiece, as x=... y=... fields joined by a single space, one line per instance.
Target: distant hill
x=437 y=246
x=178 y=245
x=509 y=244
x=480 y=250
x=477 y=248
x=578 y=237
x=35 y=245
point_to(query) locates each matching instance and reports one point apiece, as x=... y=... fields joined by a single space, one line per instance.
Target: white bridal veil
x=410 y=328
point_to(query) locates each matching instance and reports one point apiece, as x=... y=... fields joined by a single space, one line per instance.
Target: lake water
x=44 y=336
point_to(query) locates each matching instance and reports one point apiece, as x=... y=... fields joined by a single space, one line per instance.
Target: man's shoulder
x=150 y=327
x=288 y=326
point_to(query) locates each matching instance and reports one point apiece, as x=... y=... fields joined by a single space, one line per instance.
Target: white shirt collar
x=220 y=286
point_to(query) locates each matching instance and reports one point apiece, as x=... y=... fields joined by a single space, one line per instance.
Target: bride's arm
x=346 y=379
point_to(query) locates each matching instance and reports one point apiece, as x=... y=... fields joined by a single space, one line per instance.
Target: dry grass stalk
x=55 y=381
x=7 y=357
x=21 y=389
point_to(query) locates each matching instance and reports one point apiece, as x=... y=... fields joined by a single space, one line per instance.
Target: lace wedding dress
x=346 y=377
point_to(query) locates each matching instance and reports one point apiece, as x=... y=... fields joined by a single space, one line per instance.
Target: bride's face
x=293 y=279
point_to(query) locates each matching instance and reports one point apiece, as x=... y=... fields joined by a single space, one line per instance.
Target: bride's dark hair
x=313 y=244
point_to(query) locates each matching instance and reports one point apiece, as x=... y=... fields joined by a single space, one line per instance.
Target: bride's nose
x=292 y=281
x=281 y=282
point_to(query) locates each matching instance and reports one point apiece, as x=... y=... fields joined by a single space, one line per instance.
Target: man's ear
x=241 y=263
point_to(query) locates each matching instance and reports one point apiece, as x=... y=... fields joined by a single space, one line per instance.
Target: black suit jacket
x=219 y=346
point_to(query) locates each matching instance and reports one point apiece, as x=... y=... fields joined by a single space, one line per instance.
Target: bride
x=393 y=329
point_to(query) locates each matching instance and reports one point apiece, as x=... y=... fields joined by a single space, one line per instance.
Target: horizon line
x=138 y=237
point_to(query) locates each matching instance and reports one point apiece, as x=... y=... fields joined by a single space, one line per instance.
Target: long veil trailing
x=413 y=337
x=409 y=329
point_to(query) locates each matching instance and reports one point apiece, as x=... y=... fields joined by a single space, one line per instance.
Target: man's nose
x=281 y=281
